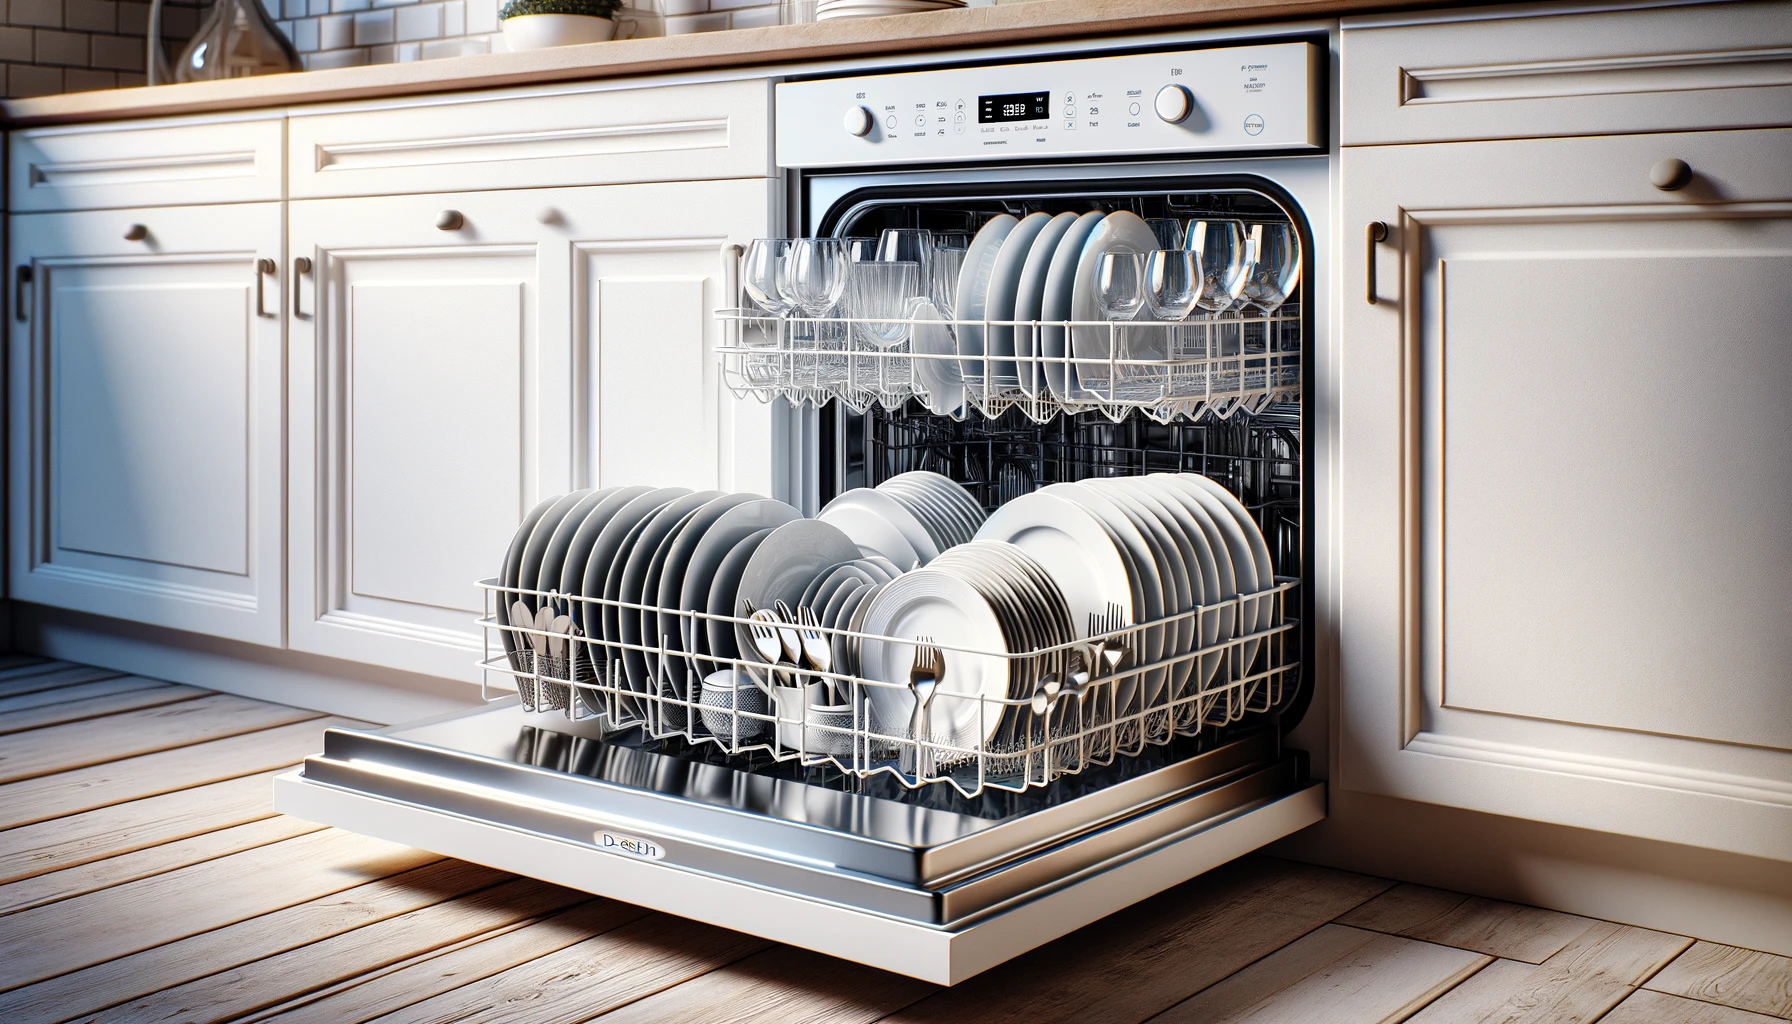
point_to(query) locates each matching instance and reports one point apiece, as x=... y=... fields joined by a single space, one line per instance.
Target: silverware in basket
x=923 y=681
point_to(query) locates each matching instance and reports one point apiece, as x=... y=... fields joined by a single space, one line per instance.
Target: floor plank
x=775 y=986
x=1590 y=976
x=1149 y=957
x=76 y=839
x=80 y=744
x=1479 y=995
x=51 y=676
x=244 y=989
x=1510 y=931
x=588 y=978
x=1646 y=1007
x=73 y=710
x=44 y=889
x=52 y=796
x=377 y=993
x=130 y=977
x=10 y=663
x=79 y=691
x=1743 y=978
x=1333 y=974
x=86 y=930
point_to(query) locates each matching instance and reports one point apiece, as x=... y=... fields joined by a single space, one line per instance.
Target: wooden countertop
x=785 y=44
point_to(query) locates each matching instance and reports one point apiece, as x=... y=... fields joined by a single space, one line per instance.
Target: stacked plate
x=828 y=10
x=1145 y=548
x=908 y=519
x=665 y=550
x=1042 y=267
x=985 y=596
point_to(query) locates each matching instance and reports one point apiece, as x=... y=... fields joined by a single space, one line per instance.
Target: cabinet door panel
x=1567 y=470
x=147 y=419
x=559 y=338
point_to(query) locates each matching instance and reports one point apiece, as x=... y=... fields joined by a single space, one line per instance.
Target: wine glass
x=1173 y=282
x=759 y=271
x=813 y=274
x=1277 y=270
x=1170 y=232
x=1225 y=262
x=942 y=285
x=880 y=291
x=860 y=247
x=908 y=245
x=1119 y=293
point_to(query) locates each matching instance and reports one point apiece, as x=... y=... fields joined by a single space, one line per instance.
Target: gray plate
x=513 y=567
x=722 y=591
x=783 y=566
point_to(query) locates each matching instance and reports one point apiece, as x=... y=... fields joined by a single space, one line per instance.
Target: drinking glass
x=1173 y=282
x=759 y=271
x=1119 y=280
x=1170 y=232
x=813 y=274
x=1277 y=270
x=907 y=245
x=1225 y=261
x=860 y=247
x=943 y=281
x=951 y=239
x=880 y=290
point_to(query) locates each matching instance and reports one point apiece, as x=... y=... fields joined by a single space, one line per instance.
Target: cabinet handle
x=1378 y=232
x=301 y=265
x=263 y=267
x=450 y=220
x=136 y=233
x=1671 y=175
x=21 y=297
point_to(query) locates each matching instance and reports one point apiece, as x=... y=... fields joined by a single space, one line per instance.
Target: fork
x=923 y=682
x=763 y=627
x=816 y=649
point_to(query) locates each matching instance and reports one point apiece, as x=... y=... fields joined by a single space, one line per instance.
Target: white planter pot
x=538 y=31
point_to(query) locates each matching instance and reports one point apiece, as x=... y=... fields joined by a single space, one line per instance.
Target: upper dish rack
x=1167 y=371
x=1026 y=740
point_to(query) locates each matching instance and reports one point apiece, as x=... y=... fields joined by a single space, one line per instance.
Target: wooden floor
x=145 y=877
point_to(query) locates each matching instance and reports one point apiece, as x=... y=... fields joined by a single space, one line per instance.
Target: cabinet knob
x=548 y=215
x=1670 y=175
x=450 y=220
x=136 y=233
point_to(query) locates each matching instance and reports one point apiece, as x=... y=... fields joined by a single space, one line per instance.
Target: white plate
x=1172 y=576
x=722 y=639
x=1119 y=231
x=553 y=560
x=1264 y=568
x=973 y=287
x=529 y=573
x=607 y=556
x=999 y=300
x=783 y=566
x=941 y=378
x=644 y=548
x=948 y=610
x=1197 y=566
x=1060 y=288
x=879 y=524
x=672 y=584
x=1216 y=583
x=512 y=571
x=734 y=526
x=951 y=495
x=1238 y=546
x=1073 y=546
x=1147 y=590
x=1029 y=300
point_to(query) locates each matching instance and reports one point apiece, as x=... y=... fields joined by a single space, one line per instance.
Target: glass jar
x=237 y=39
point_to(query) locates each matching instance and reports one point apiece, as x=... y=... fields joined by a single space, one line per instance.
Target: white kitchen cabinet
x=147 y=477
x=446 y=377
x=1565 y=483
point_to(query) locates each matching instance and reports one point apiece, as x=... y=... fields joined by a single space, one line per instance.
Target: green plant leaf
x=590 y=8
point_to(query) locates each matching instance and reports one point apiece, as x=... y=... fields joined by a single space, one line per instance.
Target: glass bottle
x=237 y=39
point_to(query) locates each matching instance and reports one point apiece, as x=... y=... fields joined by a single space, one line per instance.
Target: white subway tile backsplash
x=373 y=28
x=305 y=36
x=349 y=58
x=319 y=8
x=408 y=52
x=340 y=6
x=670 y=7
x=336 y=32
x=482 y=16
x=754 y=17
x=680 y=25
x=423 y=21
x=454 y=19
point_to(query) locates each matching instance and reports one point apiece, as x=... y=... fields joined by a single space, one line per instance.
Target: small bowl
x=724 y=694
x=540 y=31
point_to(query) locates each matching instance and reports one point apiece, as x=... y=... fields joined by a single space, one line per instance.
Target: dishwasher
x=1131 y=760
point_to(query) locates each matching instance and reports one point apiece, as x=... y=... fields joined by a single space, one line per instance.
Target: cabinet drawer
x=167 y=163
x=587 y=136
x=1506 y=75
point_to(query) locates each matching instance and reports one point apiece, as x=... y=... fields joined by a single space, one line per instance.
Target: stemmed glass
x=908 y=245
x=812 y=278
x=1226 y=264
x=942 y=285
x=1173 y=285
x=759 y=272
x=1276 y=248
x=1119 y=292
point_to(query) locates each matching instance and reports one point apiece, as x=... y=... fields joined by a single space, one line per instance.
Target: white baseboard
x=366 y=692
x=1708 y=894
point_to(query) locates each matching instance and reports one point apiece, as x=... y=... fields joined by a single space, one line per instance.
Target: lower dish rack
x=1079 y=706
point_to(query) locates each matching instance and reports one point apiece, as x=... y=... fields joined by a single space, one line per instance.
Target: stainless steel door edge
x=814 y=879
x=760 y=815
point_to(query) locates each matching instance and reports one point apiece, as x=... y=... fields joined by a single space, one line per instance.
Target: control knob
x=858 y=121
x=1174 y=103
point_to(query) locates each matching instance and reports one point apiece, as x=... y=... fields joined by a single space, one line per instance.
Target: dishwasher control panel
x=1225 y=99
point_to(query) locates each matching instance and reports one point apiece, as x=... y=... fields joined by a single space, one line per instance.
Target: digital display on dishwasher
x=1018 y=106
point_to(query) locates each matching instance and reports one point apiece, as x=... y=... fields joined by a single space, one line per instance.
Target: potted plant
x=534 y=24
